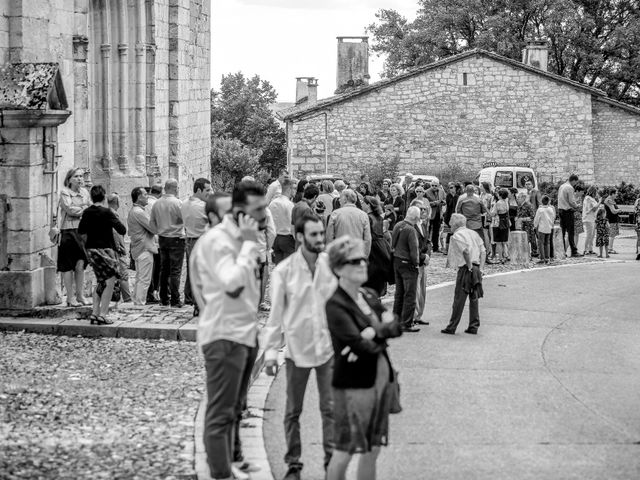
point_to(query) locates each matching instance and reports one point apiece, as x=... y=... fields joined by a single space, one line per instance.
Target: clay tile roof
x=303 y=110
x=32 y=86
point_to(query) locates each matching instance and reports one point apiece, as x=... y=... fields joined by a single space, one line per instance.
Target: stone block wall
x=616 y=144
x=433 y=119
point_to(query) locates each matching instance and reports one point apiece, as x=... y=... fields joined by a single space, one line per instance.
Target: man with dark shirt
x=309 y=197
x=96 y=226
x=406 y=260
x=436 y=201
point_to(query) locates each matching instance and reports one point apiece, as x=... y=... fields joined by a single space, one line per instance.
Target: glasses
x=419 y=191
x=356 y=261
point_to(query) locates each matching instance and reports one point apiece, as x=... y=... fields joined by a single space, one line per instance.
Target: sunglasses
x=419 y=191
x=356 y=261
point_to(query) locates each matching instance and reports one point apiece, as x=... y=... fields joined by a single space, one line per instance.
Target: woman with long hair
x=612 y=211
x=380 y=269
x=397 y=200
x=500 y=211
x=72 y=259
x=302 y=184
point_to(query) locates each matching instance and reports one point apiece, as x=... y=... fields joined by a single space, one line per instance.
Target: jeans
x=144 y=269
x=171 y=259
x=421 y=291
x=155 y=278
x=188 y=297
x=568 y=228
x=297 y=378
x=283 y=246
x=544 y=245
x=459 y=299
x=590 y=228
x=435 y=232
x=404 y=302
x=228 y=365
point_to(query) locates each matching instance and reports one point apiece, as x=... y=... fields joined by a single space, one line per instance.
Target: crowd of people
x=335 y=248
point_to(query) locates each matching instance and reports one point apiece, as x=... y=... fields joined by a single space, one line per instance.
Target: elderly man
x=153 y=296
x=424 y=249
x=143 y=245
x=406 y=263
x=566 y=206
x=467 y=254
x=436 y=201
x=166 y=222
x=339 y=185
x=472 y=208
x=113 y=200
x=349 y=220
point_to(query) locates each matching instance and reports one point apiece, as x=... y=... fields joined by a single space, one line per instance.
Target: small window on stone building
x=466 y=78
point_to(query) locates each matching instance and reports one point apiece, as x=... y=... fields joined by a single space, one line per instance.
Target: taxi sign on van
x=493 y=163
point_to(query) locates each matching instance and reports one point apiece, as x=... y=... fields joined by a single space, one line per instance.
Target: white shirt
x=274 y=188
x=544 y=219
x=281 y=208
x=266 y=237
x=194 y=218
x=225 y=281
x=298 y=310
x=565 y=197
x=588 y=211
x=465 y=240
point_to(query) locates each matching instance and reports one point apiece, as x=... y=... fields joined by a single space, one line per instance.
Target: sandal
x=93 y=319
x=613 y=251
x=72 y=304
x=104 y=321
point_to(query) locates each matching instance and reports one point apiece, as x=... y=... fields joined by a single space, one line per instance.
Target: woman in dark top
x=513 y=208
x=362 y=373
x=97 y=225
x=397 y=201
x=302 y=184
x=380 y=270
x=612 y=210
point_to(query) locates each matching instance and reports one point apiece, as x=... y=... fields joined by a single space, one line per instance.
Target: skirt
x=70 y=251
x=614 y=230
x=500 y=235
x=577 y=222
x=362 y=414
x=104 y=262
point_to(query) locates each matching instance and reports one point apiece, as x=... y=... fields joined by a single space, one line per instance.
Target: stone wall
x=433 y=119
x=616 y=144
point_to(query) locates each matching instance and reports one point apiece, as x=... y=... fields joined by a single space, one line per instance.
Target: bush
x=378 y=169
x=627 y=193
x=454 y=173
x=230 y=161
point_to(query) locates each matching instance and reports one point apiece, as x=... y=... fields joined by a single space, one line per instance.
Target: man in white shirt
x=225 y=283
x=349 y=220
x=566 y=206
x=281 y=208
x=153 y=296
x=196 y=224
x=275 y=187
x=467 y=253
x=300 y=288
x=143 y=245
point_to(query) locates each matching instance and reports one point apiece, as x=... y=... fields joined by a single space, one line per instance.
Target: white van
x=507 y=176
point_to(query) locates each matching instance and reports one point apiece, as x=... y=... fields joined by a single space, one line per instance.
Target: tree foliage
x=596 y=42
x=230 y=161
x=240 y=111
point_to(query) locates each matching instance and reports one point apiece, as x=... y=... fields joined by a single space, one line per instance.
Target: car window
x=504 y=179
x=524 y=177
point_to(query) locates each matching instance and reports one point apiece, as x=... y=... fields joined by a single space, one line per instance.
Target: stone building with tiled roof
x=466 y=110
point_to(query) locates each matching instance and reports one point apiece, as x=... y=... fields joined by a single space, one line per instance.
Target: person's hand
x=427 y=259
x=470 y=267
x=271 y=367
x=248 y=228
x=352 y=357
x=388 y=316
x=368 y=333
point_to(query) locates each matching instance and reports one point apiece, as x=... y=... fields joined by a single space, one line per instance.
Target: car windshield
x=504 y=179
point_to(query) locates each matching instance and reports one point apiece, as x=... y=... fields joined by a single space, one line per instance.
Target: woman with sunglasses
x=362 y=375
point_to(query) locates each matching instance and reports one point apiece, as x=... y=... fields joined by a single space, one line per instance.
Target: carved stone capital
x=105 y=48
x=123 y=48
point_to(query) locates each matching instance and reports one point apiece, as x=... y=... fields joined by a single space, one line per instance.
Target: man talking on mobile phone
x=226 y=285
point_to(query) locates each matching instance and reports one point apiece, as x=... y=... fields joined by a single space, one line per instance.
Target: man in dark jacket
x=406 y=259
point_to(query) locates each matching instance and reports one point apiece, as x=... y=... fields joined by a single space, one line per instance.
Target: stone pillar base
x=26 y=290
x=559 y=252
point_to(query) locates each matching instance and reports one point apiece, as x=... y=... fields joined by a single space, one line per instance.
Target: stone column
x=559 y=252
x=519 y=247
x=28 y=151
x=141 y=69
x=107 y=105
x=123 y=50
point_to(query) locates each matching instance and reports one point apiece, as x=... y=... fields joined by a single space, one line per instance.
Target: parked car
x=507 y=175
x=319 y=178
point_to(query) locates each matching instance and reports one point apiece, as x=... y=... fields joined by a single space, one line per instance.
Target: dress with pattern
x=602 y=232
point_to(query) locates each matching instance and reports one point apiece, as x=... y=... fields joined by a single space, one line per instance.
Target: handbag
x=394 y=395
x=54 y=231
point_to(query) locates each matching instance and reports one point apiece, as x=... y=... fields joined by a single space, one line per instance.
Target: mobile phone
x=237 y=214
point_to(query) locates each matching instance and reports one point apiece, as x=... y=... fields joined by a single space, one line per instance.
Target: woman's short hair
x=340 y=249
x=327 y=186
x=70 y=174
x=97 y=193
x=349 y=195
x=457 y=220
x=503 y=193
x=524 y=195
x=398 y=187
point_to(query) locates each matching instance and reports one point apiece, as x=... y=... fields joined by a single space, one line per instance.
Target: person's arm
x=272 y=331
x=153 y=223
x=82 y=226
x=342 y=327
x=143 y=220
x=536 y=219
x=117 y=225
x=66 y=205
x=270 y=231
x=194 y=277
x=330 y=228
x=570 y=198
x=234 y=272
x=414 y=248
x=367 y=236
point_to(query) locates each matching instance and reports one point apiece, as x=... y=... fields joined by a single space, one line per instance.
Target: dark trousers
x=189 y=244
x=568 y=228
x=404 y=302
x=228 y=365
x=297 y=378
x=154 y=286
x=435 y=232
x=171 y=260
x=283 y=246
x=459 y=299
x=544 y=244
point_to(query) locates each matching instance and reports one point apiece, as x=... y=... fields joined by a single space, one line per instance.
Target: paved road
x=549 y=389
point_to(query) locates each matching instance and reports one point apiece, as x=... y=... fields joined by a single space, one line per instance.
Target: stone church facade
x=135 y=79
x=467 y=110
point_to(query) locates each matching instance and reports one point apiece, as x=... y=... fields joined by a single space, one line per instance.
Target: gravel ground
x=98 y=408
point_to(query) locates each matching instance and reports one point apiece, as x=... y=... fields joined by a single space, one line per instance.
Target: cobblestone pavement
x=100 y=408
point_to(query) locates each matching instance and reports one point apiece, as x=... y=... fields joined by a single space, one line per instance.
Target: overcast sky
x=283 y=39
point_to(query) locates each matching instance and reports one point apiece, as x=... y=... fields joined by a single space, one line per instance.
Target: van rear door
x=503 y=179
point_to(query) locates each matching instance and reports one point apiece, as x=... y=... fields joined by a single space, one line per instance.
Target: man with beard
x=226 y=286
x=300 y=287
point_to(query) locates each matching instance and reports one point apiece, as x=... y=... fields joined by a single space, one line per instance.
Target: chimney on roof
x=536 y=54
x=306 y=90
x=353 y=63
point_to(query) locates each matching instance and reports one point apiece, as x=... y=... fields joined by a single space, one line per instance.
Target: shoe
x=576 y=254
x=246 y=467
x=93 y=319
x=101 y=320
x=421 y=322
x=448 y=332
x=83 y=301
x=238 y=474
x=73 y=303
x=591 y=253
x=613 y=251
x=410 y=329
x=177 y=305
x=293 y=473
x=151 y=301
x=471 y=332
x=541 y=261
x=638 y=257
x=164 y=304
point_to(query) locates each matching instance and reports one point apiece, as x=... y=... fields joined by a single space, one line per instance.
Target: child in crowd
x=543 y=224
x=602 y=232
